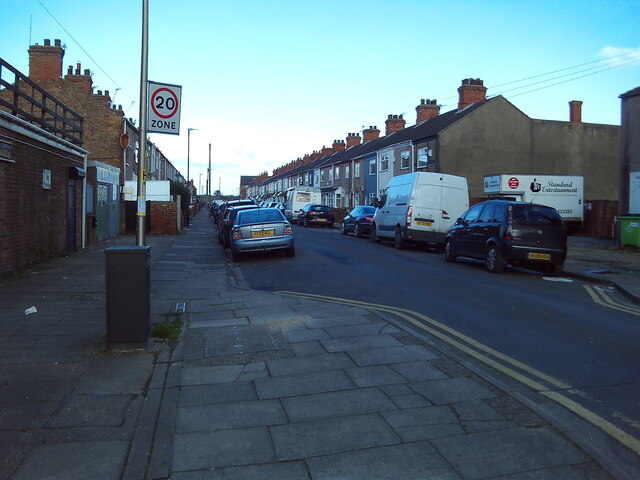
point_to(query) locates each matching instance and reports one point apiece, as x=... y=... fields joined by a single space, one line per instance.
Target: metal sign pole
x=142 y=157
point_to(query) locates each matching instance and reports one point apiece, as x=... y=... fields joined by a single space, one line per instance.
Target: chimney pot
x=70 y=70
x=47 y=42
x=471 y=91
x=106 y=92
x=87 y=71
x=78 y=68
x=426 y=110
x=575 y=111
x=57 y=42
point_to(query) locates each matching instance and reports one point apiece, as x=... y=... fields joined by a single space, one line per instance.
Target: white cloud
x=619 y=56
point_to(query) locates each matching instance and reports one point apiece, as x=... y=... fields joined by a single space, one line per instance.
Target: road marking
x=412 y=317
x=599 y=296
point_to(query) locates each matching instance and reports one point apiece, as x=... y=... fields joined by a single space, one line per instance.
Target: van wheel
x=372 y=235
x=494 y=261
x=398 y=242
x=357 y=231
x=450 y=252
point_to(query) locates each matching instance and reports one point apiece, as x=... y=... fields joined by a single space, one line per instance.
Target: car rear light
x=409 y=215
x=368 y=219
x=288 y=230
x=236 y=235
x=445 y=215
x=331 y=214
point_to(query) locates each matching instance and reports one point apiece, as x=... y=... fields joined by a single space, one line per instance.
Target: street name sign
x=163 y=108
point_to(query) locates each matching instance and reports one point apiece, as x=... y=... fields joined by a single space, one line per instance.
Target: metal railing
x=26 y=100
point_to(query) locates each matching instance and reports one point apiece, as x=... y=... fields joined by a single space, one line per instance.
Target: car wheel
x=372 y=235
x=290 y=252
x=450 y=252
x=494 y=261
x=398 y=242
x=357 y=231
x=343 y=229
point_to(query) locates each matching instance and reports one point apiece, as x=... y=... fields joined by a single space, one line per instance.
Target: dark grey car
x=503 y=232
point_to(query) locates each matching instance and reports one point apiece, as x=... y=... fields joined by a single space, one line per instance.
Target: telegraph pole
x=142 y=157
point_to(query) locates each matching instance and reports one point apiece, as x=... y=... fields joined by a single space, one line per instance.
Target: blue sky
x=267 y=81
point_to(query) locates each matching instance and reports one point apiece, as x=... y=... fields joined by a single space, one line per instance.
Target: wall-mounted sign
x=163 y=107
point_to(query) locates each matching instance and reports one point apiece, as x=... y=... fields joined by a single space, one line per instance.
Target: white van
x=419 y=208
x=297 y=198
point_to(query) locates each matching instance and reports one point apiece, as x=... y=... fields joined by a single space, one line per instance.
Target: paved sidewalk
x=260 y=386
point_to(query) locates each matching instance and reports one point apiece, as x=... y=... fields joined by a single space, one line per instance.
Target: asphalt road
x=551 y=327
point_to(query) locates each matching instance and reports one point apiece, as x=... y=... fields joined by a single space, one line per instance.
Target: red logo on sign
x=513 y=183
x=160 y=102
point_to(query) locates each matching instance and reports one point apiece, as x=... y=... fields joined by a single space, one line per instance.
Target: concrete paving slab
x=305 y=335
x=281 y=470
x=336 y=435
x=304 y=384
x=486 y=455
x=308 y=364
x=361 y=330
x=91 y=411
x=75 y=461
x=238 y=340
x=336 y=404
x=476 y=410
x=224 y=416
x=224 y=322
x=429 y=432
x=217 y=393
x=487 y=426
x=308 y=348
x=209 y=375
x=397 y=389
x=416 y=461
x=419 y=371
x=564 y=473
x=355 y=343
x=420 y=416
x=452 y=390
x=410 y=401
x=221 y=448
x=374 y=376
x=388 y=355
x=328 y=321
x=113 y=373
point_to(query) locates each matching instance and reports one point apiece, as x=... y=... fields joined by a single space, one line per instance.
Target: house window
x=346 y=171
x=356 y=170
x=372 y=198
x=384 y=162
x=336 y=172
x=338 y=200
x=321 y=176
x=405 y=161
x=372 y=167
x=5 y=152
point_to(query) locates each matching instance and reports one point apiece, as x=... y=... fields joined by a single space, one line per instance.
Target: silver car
x=260 y=230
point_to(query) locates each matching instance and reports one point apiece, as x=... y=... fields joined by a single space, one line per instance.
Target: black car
x=505 y=232
x=358 y=221
x=226 y=222
x=314 y=214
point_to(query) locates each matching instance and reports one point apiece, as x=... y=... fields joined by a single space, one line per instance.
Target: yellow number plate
x=539 y=256
x=424 y=223
x=263 y=233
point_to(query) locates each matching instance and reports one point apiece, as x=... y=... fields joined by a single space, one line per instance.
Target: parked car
x=228 y=220
x=314 y=214
x=261 y=229
x=505 y=232
x=358 y=221
x=282 y=207
x=232 y=203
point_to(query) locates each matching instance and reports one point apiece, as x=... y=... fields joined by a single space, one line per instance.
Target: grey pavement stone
x=336 y=435
x=309 y=363
x=76 y=460
x=116 y=374
x=374 y=375
x=361 y=330
x=308 y=348
x=416 y=461
x=476 y=410
x=354 y=343
x=429 y=432
x=91 y=411
x=397 y=389
x=208 y=375
x=216 y=393
x=255 y=367
x=564 y=473
x=410 y=401
x=420 y=416
x=330 y=321
x=304 y=384
x=238 y=340
x=219 y=322
x=380 y=356
x=504 y=452
x=336 y=404
x=486 y=426
x=418 y=371
x=224 y=416
x=305 y=335
x=280 y=470
x=222 y=448
x=452 y=390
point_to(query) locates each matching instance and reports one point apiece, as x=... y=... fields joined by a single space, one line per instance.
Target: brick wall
x=34 y=219
x=163 y=218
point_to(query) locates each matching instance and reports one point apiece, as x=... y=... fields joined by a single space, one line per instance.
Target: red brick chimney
x=353 y=139
x=83 y=81
x=394 y=123
x=326 y=151
x=338 y=145
x=575 y=111
x=370 y=133
x=45 y=62
x=426 y=110
x=471 y=91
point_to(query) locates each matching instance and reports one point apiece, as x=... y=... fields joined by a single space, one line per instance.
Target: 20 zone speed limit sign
x=164 y=108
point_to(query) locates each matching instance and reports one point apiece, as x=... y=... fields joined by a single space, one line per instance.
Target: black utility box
x=128 y=288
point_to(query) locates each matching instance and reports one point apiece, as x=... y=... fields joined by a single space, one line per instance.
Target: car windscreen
x=319 y=208
x=368 y=210
x=536 y=215
x=259 y=216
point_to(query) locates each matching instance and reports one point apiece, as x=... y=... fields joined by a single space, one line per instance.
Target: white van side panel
x=298 y=198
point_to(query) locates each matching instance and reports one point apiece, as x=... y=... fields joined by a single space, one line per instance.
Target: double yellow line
x=601 y=297
x=535 y=379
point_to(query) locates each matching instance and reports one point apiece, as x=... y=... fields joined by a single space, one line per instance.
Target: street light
x=188 y=152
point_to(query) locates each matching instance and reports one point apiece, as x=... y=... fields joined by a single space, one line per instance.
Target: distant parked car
x=261 y=229
x=314 y=214
x=282 y=207
x=232 y=203
x=228 y=220
x=505 y=232
x=358 y=221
